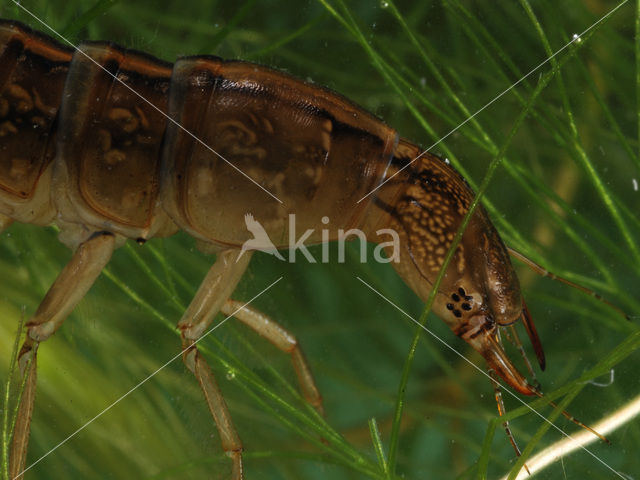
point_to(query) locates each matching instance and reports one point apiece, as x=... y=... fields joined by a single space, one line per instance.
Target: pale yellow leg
x=217 y=287
x=283 y=340
x=68 y=289
x=5 y=222
x=20 y=440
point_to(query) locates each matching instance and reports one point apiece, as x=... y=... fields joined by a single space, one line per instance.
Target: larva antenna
x=543 y=272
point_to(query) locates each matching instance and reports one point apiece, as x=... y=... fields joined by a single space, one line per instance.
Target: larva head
x=426 y=202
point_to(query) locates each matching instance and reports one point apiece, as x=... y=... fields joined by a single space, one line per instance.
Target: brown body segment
x=314 y=150
x=33 y=69
x=111 y=129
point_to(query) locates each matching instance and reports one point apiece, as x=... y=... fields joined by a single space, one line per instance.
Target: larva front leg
x=217 y=286
x=211 y=297
x=68 y=289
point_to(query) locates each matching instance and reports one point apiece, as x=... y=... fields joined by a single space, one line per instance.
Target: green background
x=564 y=195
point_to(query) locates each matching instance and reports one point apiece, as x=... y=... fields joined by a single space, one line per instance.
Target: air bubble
x=384 y=4
x=635 y=184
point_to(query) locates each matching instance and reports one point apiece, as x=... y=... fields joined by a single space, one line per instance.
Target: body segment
x=315 y=151
x=32 y=77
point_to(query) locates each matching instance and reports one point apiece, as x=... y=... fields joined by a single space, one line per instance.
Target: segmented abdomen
x=122 y=165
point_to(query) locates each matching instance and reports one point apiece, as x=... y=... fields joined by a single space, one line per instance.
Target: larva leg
x=217 y=286
x=5 y=222
x=68 y=289
x=283 y=340
x=501 y=412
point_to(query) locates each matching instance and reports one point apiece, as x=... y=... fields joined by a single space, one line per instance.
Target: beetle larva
x=92 y=205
